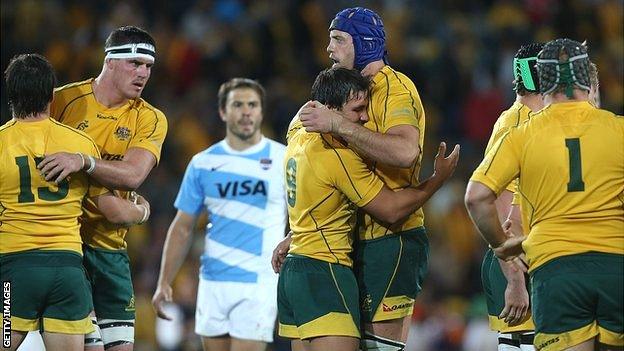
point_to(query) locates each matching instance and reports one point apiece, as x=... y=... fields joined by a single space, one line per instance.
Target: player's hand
x=445 y=166
x=58 y=166
x=511 y=248
x=280 y=252
x=141 y=201
x=516 y=304
x=512 y=228
x=163 y=294
x=316 y=117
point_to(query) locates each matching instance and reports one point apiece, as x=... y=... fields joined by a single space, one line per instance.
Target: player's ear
x=109 y=63
x=222 y=114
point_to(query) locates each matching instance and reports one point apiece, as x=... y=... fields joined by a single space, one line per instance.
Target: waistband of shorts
x=576 y=258
x=42 y=258
x=86 y=248
x=414 y=231
x=298 y=257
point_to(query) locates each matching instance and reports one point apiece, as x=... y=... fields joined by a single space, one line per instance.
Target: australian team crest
x=122 y=133
x=266 y=163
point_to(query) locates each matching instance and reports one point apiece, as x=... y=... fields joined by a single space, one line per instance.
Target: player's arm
x=176 y=248
x=516 y=295
x=481 y=204
x=121 y=211
x=391 y=207
x=397 y=147
x=127 y=174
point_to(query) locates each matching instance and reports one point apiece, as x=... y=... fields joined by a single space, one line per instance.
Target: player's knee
x=372 y=342
x=93 y=340
x=116 y=332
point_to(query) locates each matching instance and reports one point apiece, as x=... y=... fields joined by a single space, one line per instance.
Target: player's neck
x=556 y=98
x=105 y=92
x=535 y=102
x=239 y=144
x=35 y=117
x=372 y=68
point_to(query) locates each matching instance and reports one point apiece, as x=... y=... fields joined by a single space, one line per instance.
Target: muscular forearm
x=119 y=175
x=404 y=202
x=391 y=150
x=120 y=211
x=485 y=218
x=175 y=250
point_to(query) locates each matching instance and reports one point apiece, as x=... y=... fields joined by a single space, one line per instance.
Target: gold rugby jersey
x=115 y=130
x=512 y=117
x=326 y=182
x=34 y=213
x=394 y=101
x=569 y=158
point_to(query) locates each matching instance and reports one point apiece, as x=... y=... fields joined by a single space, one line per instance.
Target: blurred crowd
x=458 y=53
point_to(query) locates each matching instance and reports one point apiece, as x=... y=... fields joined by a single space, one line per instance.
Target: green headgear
x=563 y=63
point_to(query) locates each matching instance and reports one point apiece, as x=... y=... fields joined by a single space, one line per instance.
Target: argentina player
x=239 y=181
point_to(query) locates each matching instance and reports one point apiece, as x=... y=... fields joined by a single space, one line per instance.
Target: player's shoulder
x=514 y=116
x=147 y=109
x=274 y=144
x=396 y=79
x=75 y=89
x=73 y=134
x=7 y=125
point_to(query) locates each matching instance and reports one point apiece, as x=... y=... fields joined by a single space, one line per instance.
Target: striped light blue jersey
x=243 y=192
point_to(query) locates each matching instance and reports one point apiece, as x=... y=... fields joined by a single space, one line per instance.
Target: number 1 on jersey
x=576 y=173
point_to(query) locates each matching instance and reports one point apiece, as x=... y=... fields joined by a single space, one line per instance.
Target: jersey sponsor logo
x=83 y=125
x=246 y=187
x=549 y=342
x=400 y=306
x=100 y=116
x=112 y=157
x=122 y=133
x=401 y=112
x=266 y=163
x=291 y=181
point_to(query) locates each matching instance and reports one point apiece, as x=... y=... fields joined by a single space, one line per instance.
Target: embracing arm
x=127 y=174
x=398 y=147
x=391 y=207
x=121 y=211
x=176 y=248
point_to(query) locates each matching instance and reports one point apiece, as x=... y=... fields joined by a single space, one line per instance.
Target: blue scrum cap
x=367 y=30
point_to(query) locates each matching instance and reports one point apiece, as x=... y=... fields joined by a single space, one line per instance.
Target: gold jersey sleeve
x=326 y=183
x=115 y=130
x=569 y=158
x=394 y=101
x=513 y=117
x=34 y=213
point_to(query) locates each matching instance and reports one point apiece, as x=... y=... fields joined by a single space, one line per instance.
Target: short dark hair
x=333 y=87
x=30 y=83
x=239 y=83
x=128 y=35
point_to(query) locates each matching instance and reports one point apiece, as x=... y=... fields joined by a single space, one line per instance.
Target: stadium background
x=458 y=53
